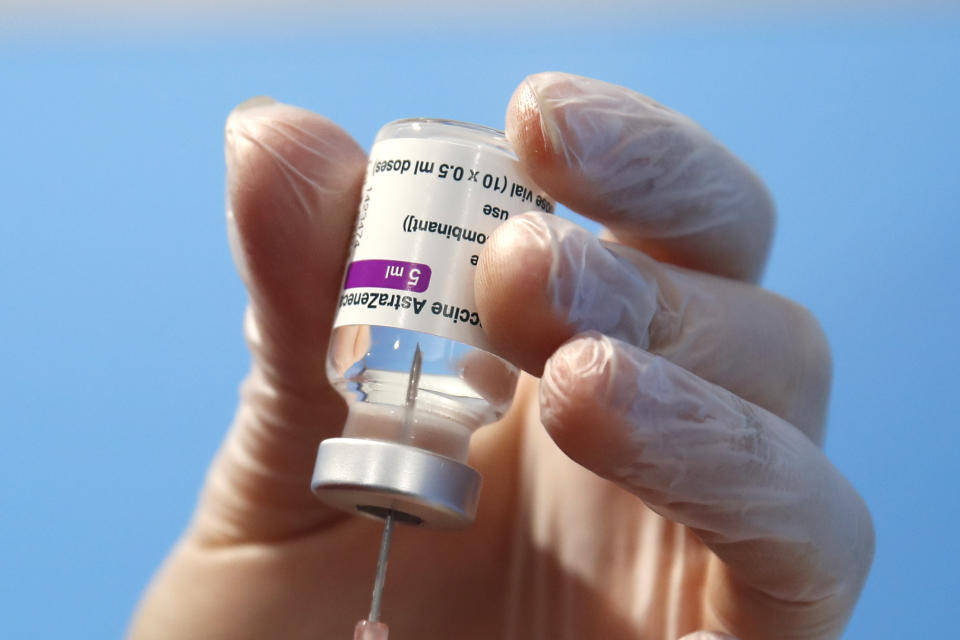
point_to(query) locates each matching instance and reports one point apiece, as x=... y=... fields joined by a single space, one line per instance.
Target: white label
x=427 y=208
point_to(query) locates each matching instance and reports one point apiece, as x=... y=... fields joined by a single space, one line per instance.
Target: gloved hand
x=663 y=477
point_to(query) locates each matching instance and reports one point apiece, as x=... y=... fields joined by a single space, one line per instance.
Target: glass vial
x=408 y=350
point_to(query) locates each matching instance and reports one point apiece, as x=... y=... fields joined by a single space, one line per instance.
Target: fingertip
x=288 y=169
x=577 y=373
x=535 y=127
x=655 y=177
x=293 y=183
x=539 y=125
x=242 y=128
x=616 y=409
x=524 y=127
x=576 y=407
x=593 y=370
x=569 y=132
x=523 y=241
x=263 y=136
x=251 y=104
x=511 y=292
x=542 y=279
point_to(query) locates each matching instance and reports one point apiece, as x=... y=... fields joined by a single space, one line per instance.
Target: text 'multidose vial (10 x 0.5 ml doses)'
x=408 y=350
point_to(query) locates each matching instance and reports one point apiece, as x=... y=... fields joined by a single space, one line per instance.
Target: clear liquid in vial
x=459 y=387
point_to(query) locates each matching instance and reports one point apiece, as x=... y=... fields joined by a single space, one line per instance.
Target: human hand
x=676 y=482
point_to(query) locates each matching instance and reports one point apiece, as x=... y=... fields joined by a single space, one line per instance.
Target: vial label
x=427 y=208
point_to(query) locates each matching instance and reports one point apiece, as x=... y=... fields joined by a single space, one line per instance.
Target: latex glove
x=665 y=390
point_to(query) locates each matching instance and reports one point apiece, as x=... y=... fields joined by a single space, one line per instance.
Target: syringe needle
x=381 y=569
x=372 y=628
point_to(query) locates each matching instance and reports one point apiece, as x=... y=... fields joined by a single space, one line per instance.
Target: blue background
x=120 y=314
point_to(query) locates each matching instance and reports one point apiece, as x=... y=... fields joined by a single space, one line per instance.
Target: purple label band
x=389 y=274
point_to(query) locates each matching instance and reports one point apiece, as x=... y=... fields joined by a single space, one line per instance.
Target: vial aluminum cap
x=369 y=477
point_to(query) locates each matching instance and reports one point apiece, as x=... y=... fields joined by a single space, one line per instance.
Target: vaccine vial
x=408 y=350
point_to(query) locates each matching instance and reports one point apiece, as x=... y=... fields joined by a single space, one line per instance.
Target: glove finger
x=542 y=279
x=658 y=180
x=793 y=539
x=293 y=181
x=293 y=184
